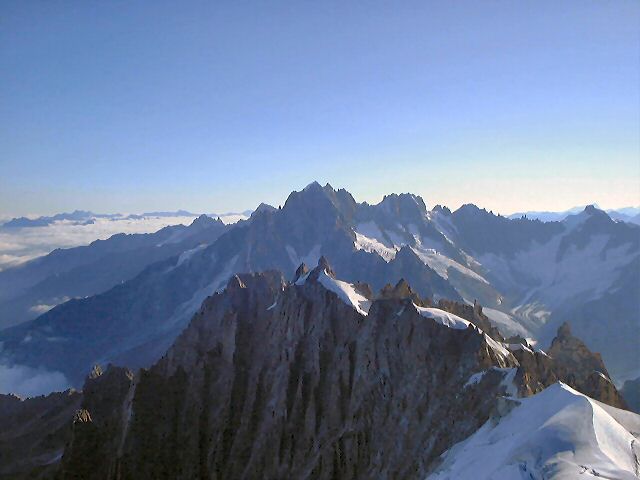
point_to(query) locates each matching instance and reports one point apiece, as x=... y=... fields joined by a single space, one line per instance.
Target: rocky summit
x=307 y=378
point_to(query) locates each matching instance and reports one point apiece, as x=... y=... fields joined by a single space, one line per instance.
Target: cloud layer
x=18 y=245
x=22 y=244
x=30 y=382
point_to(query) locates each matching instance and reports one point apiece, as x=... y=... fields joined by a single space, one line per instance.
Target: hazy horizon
x=213 y=211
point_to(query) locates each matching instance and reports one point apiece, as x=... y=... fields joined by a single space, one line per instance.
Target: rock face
x=316 y=378
x=287 y=381
x=472 y=313
x=100 y=425
x=577 y=365
x=33 y=433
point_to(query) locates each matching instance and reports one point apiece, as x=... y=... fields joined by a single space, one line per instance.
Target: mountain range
x=36 y=286
x=626 y=214
x=530 y=277
x=84 y=217
x=319 y=378
x=434 y=344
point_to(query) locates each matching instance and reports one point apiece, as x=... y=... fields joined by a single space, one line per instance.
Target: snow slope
x=506 y=323
x=345 y=291
x=373 y=245
x=444 y=318
x=558 y=433
x=589 y=270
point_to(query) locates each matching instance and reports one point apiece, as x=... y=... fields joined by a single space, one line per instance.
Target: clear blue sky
x=214 y=106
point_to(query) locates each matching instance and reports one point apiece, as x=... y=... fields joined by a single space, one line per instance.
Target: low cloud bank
x=18 y=245
x=30 y=382
x=22 y=244
x=41 y=308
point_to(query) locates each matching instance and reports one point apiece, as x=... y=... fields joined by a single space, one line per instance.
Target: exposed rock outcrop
x=579 y=366
x=401 y=291
x=100 y=425
x=473 y=314
x=568 y=361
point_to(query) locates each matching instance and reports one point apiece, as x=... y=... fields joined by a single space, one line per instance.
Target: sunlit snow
x=556 y=434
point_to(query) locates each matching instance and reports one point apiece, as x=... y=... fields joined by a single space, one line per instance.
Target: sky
x=133 y=106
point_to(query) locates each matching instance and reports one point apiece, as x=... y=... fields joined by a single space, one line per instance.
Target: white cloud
x=41 y=308
x=30 y=382
x=23 y=244
x=7 y=261
x=232 y=218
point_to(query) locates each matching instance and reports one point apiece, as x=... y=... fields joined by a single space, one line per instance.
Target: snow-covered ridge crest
x=557 y=433
x=443 y=318
x=457 y=323
x=350 y=295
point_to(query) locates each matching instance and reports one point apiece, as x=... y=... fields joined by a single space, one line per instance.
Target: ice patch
x=475 y=379
x=443 y=224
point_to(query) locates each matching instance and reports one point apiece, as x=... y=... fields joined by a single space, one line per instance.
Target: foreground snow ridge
x=556 y=434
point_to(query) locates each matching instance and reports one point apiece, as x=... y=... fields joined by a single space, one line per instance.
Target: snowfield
x=556 y=434
x=372 y=245
x=578 y=271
